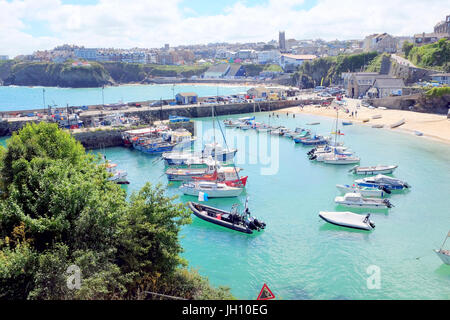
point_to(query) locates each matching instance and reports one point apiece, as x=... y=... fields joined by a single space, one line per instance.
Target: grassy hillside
x=97 y=74
x=330 y=68
x=435 y=55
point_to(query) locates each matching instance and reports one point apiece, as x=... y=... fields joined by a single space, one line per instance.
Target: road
x=402 y=61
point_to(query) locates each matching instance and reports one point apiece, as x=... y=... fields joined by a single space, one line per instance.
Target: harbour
x=299 y=255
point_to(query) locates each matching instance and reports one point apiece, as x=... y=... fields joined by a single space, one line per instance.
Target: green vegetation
x=273 y=68
x=435 y=55
x=375 y=64
x=95 y=75
x=253 y=70
x=329 y=69
x=58 y=209
x=407 y=47
x=438 y=92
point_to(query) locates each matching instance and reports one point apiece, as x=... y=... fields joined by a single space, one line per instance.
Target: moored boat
x=398 y=123
x=379 y=169
x=356 y=200
x=212 y=189
x=444 y=255
x=232 y=219
x=382 y=181
x=348 y=219
x=364 y=191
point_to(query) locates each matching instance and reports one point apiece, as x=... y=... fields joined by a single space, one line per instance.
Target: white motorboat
x=118 y=176
x=341 y=159
x=348 y=219
x=364 y=191
x=212 y=189
x=356 y=200
x=373 y=170
x=444 y=255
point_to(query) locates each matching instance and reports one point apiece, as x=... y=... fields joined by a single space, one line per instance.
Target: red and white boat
x=228 y=179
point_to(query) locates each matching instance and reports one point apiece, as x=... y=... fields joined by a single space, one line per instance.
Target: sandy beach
x=432 y=126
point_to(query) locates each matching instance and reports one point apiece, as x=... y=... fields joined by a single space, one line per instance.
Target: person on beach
x=352 y=114
x=356 y=113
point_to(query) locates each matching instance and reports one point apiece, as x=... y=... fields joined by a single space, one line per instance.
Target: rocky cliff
x=54 y=74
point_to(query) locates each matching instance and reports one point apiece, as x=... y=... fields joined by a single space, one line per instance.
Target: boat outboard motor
x=385 y=189
x=372 y=224
x=388 y=203
x=313 y=157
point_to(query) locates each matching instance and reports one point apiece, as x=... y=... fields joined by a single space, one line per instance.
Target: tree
x=406 y=48
x=59 y=209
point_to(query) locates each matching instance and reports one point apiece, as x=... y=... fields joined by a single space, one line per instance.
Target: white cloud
x=151 y=23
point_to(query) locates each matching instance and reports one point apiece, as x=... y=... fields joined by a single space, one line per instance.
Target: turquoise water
x=299 y=256
x=20 y=98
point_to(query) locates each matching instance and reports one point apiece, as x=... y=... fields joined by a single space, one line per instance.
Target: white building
x=272 y=56
x=86 y=53
x=291 y=61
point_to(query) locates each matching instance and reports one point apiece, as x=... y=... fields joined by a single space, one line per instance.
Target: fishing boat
x=232 y=219
x=364 y=191
x=356 y=200
x=366 y=120
x=444 y=255
x=348 y=219
x=213 y=150
x=383 y=181
x=229 y=180
x=347 y=123
x=247 y=119
x=398 y=124
x=152 y=145
x=379 y=169
x=212 y=189
x=303 y=135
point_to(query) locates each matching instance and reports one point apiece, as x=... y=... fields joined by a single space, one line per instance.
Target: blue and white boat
x=314 y=141
x=383 y=182
x=178 y=119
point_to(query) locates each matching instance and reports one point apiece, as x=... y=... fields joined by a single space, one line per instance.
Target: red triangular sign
x=265 y=293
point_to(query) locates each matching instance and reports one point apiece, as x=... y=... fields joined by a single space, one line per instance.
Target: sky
x=30 y=25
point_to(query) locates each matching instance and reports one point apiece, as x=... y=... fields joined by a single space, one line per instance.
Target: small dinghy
x=378 y=126
x=418 y=133
x=377 y=116
x=341 y=159
x=348 y=219
x=313 y=123
x=398 y=124
x=234 y=220
x=364 y=191
x=373 y=170
x=347 y=123
x=366 y=120
x=356 y=200
x=444 y=255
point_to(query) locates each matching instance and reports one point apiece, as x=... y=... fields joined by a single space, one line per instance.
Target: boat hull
x=219 y=222
x=229 y=193
x=444 y=257
x=346 y=219
x=365 y=193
